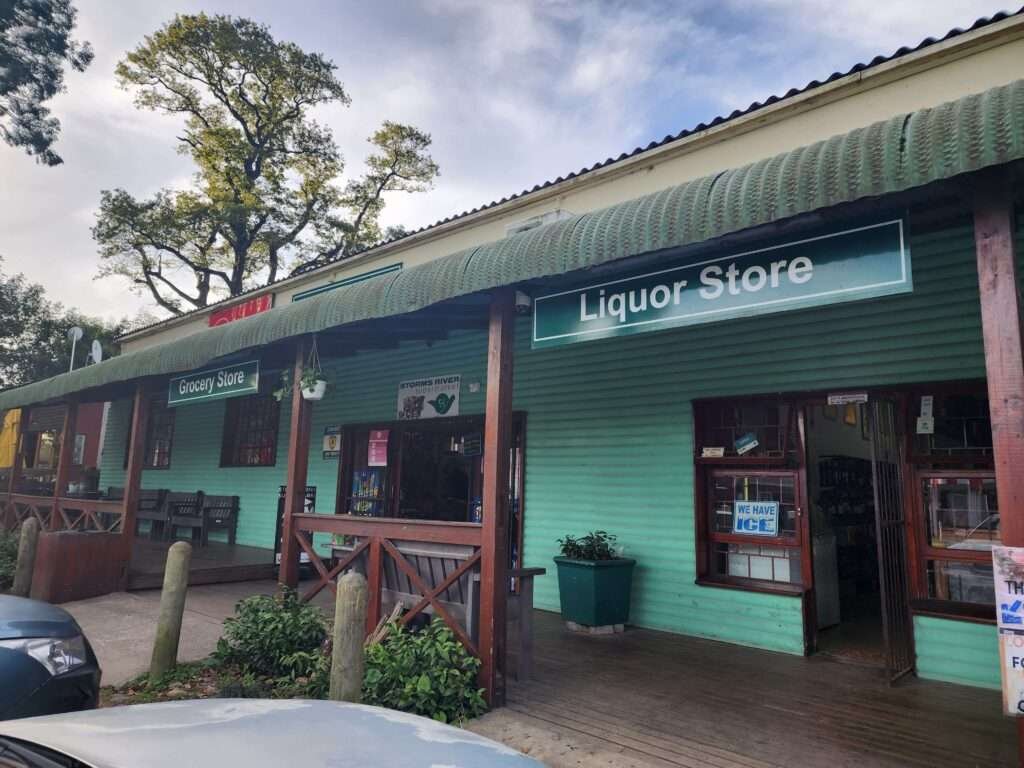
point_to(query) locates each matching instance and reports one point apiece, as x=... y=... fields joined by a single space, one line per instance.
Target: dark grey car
x=255 y=733
x=46 y=663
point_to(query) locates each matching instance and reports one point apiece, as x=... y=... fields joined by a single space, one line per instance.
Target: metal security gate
x=890 y=525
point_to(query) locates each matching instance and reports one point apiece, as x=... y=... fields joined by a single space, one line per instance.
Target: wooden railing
x=62 y=514
x=390 y=551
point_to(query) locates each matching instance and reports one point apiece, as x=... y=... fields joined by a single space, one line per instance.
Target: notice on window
x=756 y=518
x=1008 y=572
x=377 y=448
x=429 y=398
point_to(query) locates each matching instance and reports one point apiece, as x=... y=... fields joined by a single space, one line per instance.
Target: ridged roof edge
x=893 y=155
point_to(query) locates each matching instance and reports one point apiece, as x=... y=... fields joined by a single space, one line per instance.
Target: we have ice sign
x=756 y=518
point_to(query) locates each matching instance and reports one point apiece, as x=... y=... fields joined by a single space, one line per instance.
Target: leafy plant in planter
x=594 y=580
x=596 y=545
x=312 y=381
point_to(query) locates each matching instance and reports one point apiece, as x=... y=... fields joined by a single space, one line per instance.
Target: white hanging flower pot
x=315 y=391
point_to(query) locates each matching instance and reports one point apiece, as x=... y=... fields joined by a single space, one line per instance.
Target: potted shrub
x=594 y=580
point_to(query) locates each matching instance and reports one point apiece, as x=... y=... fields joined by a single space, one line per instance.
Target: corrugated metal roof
x=685 y=133
x=894 y=155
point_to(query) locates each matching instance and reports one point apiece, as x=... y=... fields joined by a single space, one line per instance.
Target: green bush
x=8 y=559
x=596 y=545
x=426 y=673
x=274 y=636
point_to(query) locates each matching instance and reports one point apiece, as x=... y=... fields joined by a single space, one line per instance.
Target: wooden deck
x=215 y=563
x=667 y=700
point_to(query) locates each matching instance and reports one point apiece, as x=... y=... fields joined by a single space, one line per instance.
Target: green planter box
x=595 y=592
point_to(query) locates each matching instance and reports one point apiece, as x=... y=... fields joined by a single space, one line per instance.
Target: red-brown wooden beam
x=295 y=478
x=133 y=474
x=1004 y=362
x=64 y=457
x=1004 y=358
x=497 y=445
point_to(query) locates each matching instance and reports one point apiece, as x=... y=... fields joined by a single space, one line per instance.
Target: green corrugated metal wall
x=609 y=439
x=957 y=651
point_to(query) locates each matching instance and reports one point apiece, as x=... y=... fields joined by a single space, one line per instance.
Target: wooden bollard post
x=172 y=607
x=27 y=545
x=349 y=632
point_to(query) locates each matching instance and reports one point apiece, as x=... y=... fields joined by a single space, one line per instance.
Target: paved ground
x=121 y=626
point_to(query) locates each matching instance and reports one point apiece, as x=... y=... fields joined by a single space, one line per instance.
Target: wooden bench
x=185 y=510
x=220 y=513
x=151 y=508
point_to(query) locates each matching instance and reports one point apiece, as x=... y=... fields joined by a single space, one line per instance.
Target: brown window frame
x=158 y=410
x=791 y=463
x=238 y=409
x=919 y=466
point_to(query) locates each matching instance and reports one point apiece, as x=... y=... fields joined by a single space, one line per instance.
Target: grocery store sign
x=863 y=263
x=215 y=384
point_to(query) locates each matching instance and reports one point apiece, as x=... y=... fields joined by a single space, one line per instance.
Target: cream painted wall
x=967 y=64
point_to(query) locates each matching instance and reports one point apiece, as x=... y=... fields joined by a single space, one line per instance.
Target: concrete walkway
x=121 y=626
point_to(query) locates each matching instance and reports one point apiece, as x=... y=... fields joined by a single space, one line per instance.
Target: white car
x=247 y=732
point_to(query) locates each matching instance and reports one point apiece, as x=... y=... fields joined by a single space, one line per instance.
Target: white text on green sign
x=866 y=262
x=215 y=384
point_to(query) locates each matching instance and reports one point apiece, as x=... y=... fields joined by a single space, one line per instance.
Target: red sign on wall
x=252 y=306
x=377 y=450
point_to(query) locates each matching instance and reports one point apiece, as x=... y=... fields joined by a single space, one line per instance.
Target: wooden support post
x=172 y=611
x=374 y=564
x=133 y=475
x=1004 y=358
x=28 y=544
x=497 y=444
x=295 y=479
x=64 y=457
x=347 y=639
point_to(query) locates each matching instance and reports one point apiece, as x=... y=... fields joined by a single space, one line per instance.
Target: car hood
x=257 y=733
x=33 y=618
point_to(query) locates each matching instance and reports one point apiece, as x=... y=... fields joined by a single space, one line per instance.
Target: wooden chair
x=185 y=510
x=220 y=513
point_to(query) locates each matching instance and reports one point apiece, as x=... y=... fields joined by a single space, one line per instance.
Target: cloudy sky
x=513 y=93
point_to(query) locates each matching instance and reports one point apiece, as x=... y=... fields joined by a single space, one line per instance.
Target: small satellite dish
x=97 y=351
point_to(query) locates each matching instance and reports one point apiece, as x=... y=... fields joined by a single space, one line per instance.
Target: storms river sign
x=215 y=384
x=862 y=263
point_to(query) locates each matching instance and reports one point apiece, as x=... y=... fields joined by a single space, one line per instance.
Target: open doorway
x=840 y=494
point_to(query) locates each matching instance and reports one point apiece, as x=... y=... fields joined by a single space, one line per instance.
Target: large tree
x=33 y=333
x=266 y=195
x=35 y=45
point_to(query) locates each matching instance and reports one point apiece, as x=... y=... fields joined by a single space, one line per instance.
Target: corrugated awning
x=903 y=152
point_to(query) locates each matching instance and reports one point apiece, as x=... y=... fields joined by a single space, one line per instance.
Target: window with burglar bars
x=159 y=436
x=250 y=432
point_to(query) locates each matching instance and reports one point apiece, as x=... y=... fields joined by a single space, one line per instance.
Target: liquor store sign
x=861 y=263
x=215 y=384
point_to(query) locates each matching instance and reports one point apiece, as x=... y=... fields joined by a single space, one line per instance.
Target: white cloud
x=513 y=94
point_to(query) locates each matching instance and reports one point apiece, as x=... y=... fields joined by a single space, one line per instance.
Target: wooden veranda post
x=1004 y=359
x=64 y=458
x=133 y=473
x=295 y=479
x=497 y=444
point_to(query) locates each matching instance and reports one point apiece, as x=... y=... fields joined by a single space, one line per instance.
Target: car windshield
x=15 y=753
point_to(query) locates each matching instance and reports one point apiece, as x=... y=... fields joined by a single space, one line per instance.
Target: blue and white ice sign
x=756 y=518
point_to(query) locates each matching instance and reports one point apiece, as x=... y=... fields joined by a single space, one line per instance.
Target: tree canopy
x=35 y=45
x=33 y=333
x=266 y=195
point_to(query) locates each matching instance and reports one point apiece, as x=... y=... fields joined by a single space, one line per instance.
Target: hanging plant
x=312 y=382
